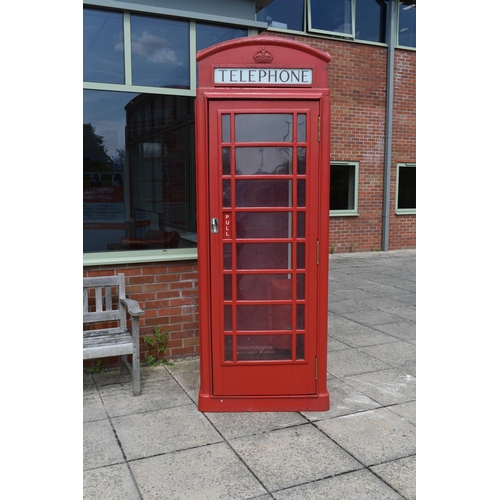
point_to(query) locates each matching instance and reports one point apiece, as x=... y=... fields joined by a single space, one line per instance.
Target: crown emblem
x=263 y=56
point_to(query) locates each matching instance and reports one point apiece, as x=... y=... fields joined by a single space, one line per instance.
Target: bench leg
x=136 y=373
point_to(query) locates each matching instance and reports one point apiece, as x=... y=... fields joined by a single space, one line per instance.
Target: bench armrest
x=132 y=307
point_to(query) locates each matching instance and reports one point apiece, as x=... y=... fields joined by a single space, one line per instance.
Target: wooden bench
x=118 y=340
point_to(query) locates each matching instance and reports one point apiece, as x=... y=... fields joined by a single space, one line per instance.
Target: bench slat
x=95 y=317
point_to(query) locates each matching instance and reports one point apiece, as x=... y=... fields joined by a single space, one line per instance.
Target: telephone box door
x=264 y=213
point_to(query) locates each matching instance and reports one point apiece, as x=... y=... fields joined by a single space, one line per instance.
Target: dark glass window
x=160 y=52
x=372 y=20
x=103 y=47
x=343 y=187
x=334 y=16
x=407 y=187
x=138 y=171
x=283 y=14
x=407 y=33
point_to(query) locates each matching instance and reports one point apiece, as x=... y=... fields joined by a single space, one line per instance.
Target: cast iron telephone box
x=262 y=160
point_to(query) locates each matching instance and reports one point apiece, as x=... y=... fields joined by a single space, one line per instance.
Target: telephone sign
x=262 y=134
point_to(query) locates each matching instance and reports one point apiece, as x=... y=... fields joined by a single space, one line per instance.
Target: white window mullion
x=192 y=56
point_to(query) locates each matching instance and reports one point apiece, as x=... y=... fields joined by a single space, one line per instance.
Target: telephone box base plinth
x=208 y=403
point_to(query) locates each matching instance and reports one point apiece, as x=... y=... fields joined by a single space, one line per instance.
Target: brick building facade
x=167 y=288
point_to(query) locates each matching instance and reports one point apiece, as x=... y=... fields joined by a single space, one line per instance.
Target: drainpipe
x=393 y=5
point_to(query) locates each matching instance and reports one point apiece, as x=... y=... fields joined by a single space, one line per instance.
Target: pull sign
x=214 y=225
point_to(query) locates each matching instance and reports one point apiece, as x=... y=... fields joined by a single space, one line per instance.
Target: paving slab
x=292 y=456
x=156 y=394
x=238 y=424
x=100 y=447
x=163 y=431
x=352 y=362
x=406 y=410
x=396 y=354
x=357 y=485
x=207 y=473
x=344 y=400
x=372 y=437
x=93 y=408
x=110 y=483
x=400 y=474
x=386 y=387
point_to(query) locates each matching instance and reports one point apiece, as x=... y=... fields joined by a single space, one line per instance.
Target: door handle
x=214 y=225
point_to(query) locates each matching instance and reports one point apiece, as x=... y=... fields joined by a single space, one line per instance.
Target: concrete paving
x=158 y=445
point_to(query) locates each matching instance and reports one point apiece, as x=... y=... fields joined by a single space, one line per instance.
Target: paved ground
x=158 y=445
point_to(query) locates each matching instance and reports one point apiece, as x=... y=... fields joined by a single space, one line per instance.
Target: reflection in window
x=407 y=33
x=263 y=127
x=332 y=16
x=406 y=198
x=210 y=34
x=344 y=188
x=283 y=14
x=103 y=47
x=372 y=20
x=136 y=196
x=160 y=52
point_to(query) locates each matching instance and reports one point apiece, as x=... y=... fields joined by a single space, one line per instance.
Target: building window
x=334 y=16
x=138 y=134
x=283 y=14
x=406 y=188
x=344 y=188
x=407 y=19
x=372 y=20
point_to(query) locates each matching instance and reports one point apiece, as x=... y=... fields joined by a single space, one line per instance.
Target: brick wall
x=357 y=81
x=168 y=293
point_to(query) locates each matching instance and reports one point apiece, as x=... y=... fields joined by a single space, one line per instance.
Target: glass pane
x=301 y=161
x=263 y=128
x=134 y=193
x=210 y=34
x=228 y=318
x=372 y=20
x=334 y=15
x=300 y=316
x=226 y=193
x=263 y=256
x=226 y=161
x=300 y=346
x=103 y=47
x=226 y=130
x=301 y=224
x=258 y=161
x=228 y=287
x=407 y=187
x=263 y=225
x=228 y=257
x=263 y=287
x=283 y=14
x=407 y=35
x=160 y=52
x=263 y=347
x=301 y=193
x=228 y=348
x=263 y=193
x=301 y=289
x=301 y=128
x=273 y=317
x=301 y=256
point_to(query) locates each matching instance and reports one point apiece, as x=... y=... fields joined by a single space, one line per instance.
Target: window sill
x=138 y=256
x=343 y=214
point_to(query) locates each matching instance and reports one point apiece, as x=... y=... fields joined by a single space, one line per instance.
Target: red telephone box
x=262 y=161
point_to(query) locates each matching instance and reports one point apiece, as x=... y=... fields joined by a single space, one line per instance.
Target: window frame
x=403 y=211
x=354 y=212
x=138 y=256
